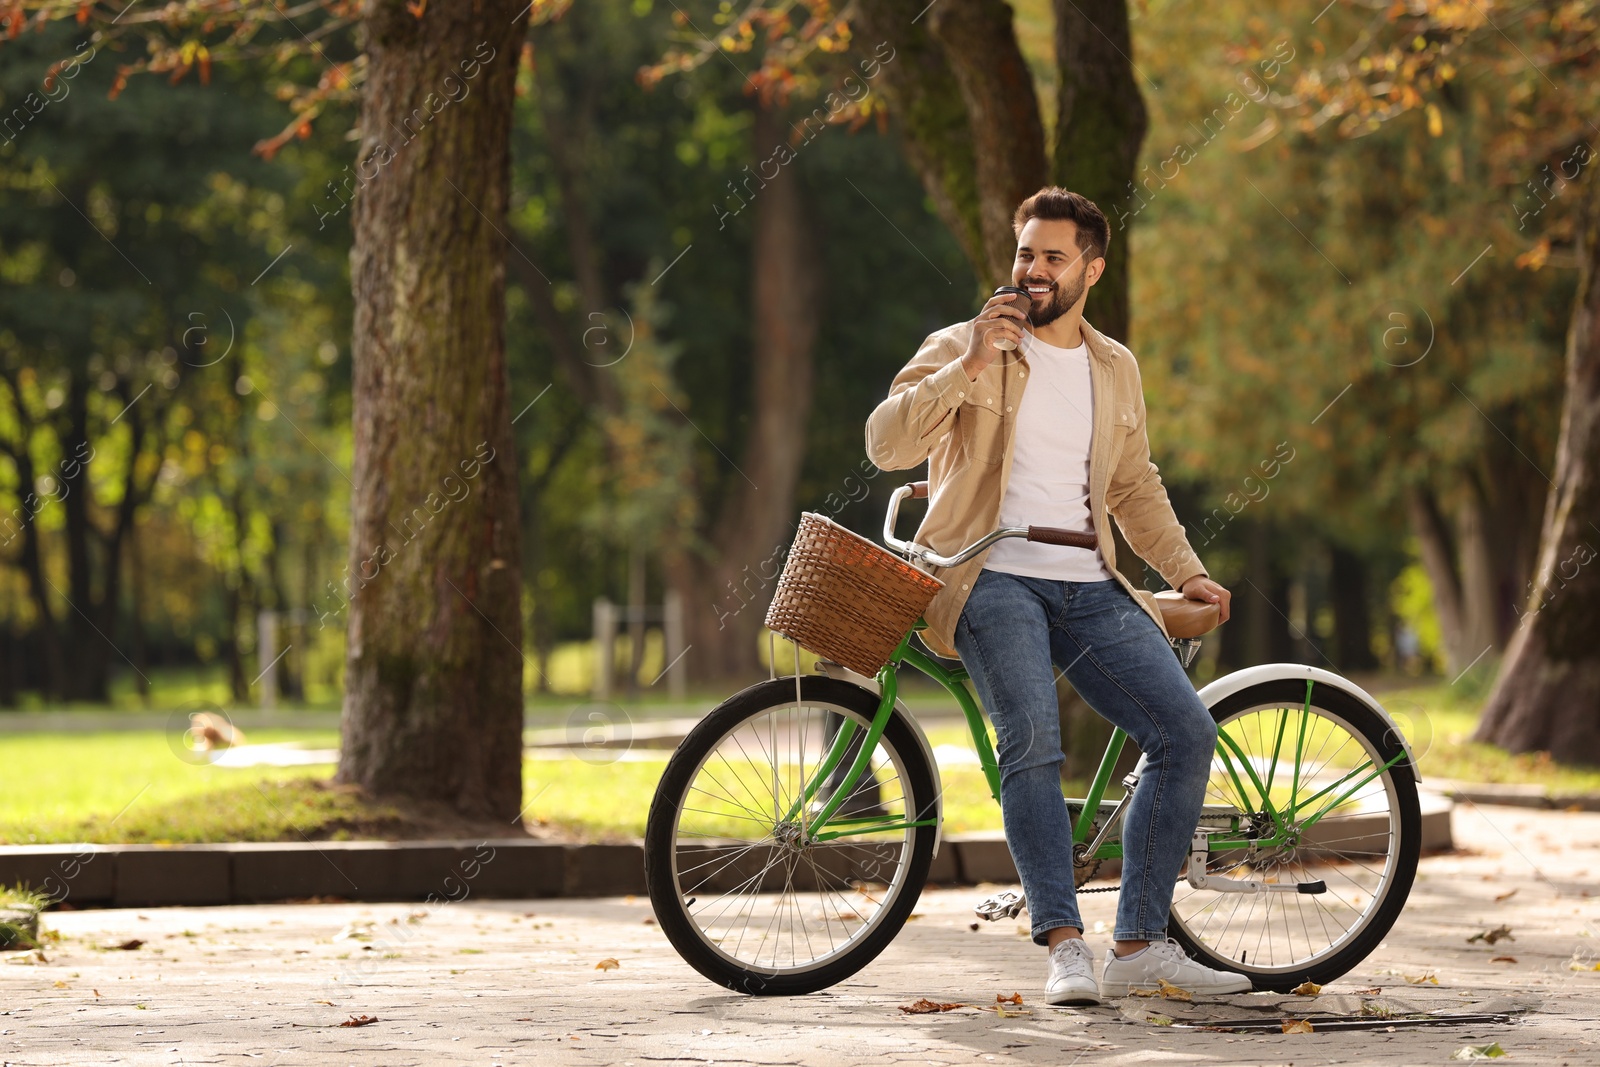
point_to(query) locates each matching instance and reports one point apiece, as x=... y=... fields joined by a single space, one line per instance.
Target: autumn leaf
x=608 y=964
x=1504 y=959
x=360 y=1020
x=1419 y=979
x=1507 y=895
x=925 y=1006
x=1489 y=937
x=1164 y=989
x=127 y=946
x=1015 y=998
x=1297 y=1026
x=1306 y=989
x=1478 y=1052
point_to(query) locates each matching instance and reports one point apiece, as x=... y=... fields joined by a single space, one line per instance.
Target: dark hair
x=1053 y=202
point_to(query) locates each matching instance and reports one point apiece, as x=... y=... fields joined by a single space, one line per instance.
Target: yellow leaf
x=607 y=964
x=1435 y=121
x=1297 y=1026
x=1172 y=992
x=1306 y=989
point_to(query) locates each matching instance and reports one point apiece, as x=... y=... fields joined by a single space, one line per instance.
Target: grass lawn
x=133 y=787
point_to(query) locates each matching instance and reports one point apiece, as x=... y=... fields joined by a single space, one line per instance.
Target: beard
x=1066 y=294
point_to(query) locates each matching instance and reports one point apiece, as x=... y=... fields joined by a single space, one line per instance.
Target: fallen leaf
x=1015 y=998
x=1001 y=1012
x=1504 y=959
x=329 y=1003
x=96 y=992
x=1370 y=991
x=1161 y=1020
x=607 y=964
x=1478 y=1052
x=972 y=926
x=1489 y=937
x=1164 y=989
x=928 y=1007
x=1297 y=1026
x=360 y=1020
x=1507 y=895
x=60 y=984
x=649 y=921
x=356 y=931
x=1306 y=989
x=128 y=945
x=1419 y=979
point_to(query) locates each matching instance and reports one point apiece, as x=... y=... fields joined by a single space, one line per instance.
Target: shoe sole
x=1073 y=1000
x=1125 y=989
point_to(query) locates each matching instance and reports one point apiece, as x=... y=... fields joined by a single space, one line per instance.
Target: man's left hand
x=1202 y=588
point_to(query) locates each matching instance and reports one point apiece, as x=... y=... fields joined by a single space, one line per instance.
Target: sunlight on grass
x=69 y=787
x=72 y=787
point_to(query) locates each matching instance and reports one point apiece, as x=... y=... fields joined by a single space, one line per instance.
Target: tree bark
x=1007 y=134
x=920 y=87
x=1100 y=125
x=753 y=525
x=433 y=675
x=1547 y=696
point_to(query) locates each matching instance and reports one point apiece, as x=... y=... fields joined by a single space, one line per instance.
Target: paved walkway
x=505 y=982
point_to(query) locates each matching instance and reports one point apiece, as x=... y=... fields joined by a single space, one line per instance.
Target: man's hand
x=1002 y=316
x=1203 y=588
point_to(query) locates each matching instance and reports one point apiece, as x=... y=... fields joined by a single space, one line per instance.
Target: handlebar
x=1048 y=535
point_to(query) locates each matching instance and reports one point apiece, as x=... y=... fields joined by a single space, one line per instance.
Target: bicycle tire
x=1403 y=849
x=673 y=901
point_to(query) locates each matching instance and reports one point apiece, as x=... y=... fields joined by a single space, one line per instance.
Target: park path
x=508 y=982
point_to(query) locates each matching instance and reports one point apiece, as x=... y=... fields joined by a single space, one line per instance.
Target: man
x=1050 y=431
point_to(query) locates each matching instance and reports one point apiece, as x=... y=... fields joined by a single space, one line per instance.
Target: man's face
x=1052 y=267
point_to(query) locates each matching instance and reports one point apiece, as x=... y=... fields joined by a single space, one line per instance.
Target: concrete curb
x=515 y=868
x=1518 y=796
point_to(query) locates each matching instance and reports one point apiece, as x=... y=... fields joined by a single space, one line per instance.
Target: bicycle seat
x=1187 y=618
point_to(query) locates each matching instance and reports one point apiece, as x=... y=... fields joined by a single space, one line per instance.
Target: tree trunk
x=980 y=45
x=926 y=101
x=1547 y=696
x=1100 y=124
x=755 y=523
x=1352 y=618
x=433 y=674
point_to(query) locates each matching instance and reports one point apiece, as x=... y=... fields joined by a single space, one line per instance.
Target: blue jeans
x=1010 y=632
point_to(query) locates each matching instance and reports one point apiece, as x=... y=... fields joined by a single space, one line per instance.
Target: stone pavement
x=506 y=982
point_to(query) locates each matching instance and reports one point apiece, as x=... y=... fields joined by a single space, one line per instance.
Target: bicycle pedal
x=1005 y=904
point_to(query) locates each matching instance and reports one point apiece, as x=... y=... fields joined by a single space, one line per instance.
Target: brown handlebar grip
x=1051 y=535
x=919 y=490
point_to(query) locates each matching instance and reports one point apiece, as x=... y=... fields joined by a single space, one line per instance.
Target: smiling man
x=1051 y=432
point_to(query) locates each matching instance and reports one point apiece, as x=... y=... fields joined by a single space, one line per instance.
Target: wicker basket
x=845 y=598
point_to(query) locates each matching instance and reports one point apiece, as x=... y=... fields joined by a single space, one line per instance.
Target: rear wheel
x=1342 y=784
x=741 y=886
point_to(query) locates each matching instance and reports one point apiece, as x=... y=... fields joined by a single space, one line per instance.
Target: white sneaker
x=1071 y=978
x=1166 y=960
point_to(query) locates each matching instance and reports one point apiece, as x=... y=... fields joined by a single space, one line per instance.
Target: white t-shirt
x=1049 y=484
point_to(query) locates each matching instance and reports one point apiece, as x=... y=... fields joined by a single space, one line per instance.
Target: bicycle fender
x=1230 y=684
x=843 y=673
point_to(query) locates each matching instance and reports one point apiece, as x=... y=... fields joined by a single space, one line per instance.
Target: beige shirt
x=966 y=431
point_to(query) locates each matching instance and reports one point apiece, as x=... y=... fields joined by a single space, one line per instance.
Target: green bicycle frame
x=1242 y=830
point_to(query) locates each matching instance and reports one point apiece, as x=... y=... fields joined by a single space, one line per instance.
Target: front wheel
x=745 y=888
x=1326 y=788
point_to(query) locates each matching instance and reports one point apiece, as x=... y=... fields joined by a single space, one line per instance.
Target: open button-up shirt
x=966 y=430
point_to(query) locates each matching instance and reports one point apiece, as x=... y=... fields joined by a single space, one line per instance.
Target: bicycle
x=783 y=854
